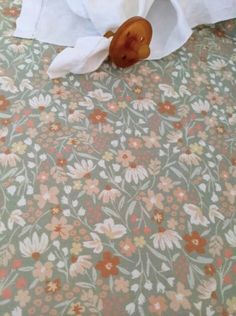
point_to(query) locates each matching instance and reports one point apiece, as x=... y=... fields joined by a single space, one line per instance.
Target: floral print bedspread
x=118 y=188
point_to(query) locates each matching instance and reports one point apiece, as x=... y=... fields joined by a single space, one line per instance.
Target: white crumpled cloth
x=81 y=24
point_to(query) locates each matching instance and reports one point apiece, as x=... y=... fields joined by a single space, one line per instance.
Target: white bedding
x=81 y=24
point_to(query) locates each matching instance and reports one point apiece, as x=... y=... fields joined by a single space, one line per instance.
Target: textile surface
x=118 y=188
x=84 y=23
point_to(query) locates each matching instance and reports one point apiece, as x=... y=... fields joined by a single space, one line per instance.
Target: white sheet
x=80 y=24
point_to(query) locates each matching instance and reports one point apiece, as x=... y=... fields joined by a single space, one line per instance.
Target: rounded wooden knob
x=130 y=43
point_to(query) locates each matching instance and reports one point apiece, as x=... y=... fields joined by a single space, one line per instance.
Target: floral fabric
x=118 y=188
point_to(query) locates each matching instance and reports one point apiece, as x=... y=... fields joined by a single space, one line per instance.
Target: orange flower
x=4 y=103
x=98 y=116
x=233 y=160
x=59 y=228
x=157 y=305
x=108 y=266
x=61 y=162
x=55 y=127
x=11 y=12
x=5 y=122
x=209 y=269
x=195 y=242
x=53 y=286
x=56 y=210
x=76 y=309
x=177 y=125
x=158 y=216
x=219 y=33
x=167 y=108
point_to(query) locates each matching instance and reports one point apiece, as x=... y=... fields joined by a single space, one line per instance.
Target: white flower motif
x=217 y=64
x=201 y=106
x=231 y=237
x=109 y=194
x=25 y=85
x=2 y=227
x=16 y=311
x=18 y=48
x=88 y=103
x=190 y=159
x=168 y=91
x=80 y=169
x=110 y=229
x=135 y=172
x=214 y=213
x=196 y=215
x=7 y=84
x=8 y=159
x=143 y=105
x=94 y=244
x=232 y=119
x=3 y=132
x=99 y=95
x=41 y=102
x=76 y=116
x=82 y=264
x=206 y=288
x=175 y=136
x=15 y=217
x=166 y=239
x=34 y=247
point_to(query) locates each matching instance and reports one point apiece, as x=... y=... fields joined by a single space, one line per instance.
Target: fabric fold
x=88 y=55
x=26 y=24
x=84 y=22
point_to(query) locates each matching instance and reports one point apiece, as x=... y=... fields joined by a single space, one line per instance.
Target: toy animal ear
x=87 y=56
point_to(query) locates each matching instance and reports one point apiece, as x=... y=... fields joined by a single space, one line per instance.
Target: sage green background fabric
x=118 y=188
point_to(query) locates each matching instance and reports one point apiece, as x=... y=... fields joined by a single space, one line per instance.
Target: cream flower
x=135 y=173
x=232 y=119
x=231 y=237
x=19 y=148
x=218 y=64
x=143 y=105
x=100 y=95
x=231 y=303
x=201 y=106
x=2 y=227
x=189 y=159
x=80 y=169
x=82 y=264
x=22 y=297
x=196 y=215
x=206 y=288
x=179 y=298
x=8 y=159
x=41 y=102
x=76 y=116
x=59 y=228
x=94 y=244
x=166 y=239
x=43 y=271
x=153 y=200
x=35 y=246
x=3 y=132
x=110 y=229
x=109 y=194
x=230 y=193
x=47 y=195
x=16 y=217
x=152 y=140
x=175 y=136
